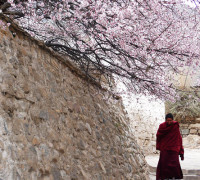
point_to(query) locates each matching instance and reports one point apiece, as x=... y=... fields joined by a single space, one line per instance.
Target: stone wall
x=191 y=141
x=190 y=128
x=144 y=132
x=146 y=114
x=54 y=125
x=188 y=125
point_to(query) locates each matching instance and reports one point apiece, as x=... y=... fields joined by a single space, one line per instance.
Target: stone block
x=8 y=79
x=2 y=56
x=183 y=136
x=102 y=167
x=56 y=173
x=194 y=126
x=88 y=128
x=184 y=125
x=1 y=145
x=44 y=115
x=197 y=119
x=185 y=131
x=81 y=145
x=26 y=88
x=17 y=126
x=35 y=141
x=193 y=131
x=14 y=60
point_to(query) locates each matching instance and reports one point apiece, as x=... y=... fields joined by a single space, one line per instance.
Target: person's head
x=169 y=118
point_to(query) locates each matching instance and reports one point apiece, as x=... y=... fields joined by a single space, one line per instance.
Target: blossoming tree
x=137 y=41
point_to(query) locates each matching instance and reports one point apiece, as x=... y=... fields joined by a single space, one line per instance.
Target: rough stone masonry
x=56 y=126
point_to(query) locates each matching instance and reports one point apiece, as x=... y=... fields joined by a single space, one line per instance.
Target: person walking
x=169 y=143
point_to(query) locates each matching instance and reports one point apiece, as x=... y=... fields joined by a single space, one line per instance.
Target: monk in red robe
x=169 y=142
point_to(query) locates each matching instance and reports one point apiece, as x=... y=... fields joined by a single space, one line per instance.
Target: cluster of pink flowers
x=139 y=41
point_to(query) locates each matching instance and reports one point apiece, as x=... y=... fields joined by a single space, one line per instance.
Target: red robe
x=169 y=138
x=169 y=142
